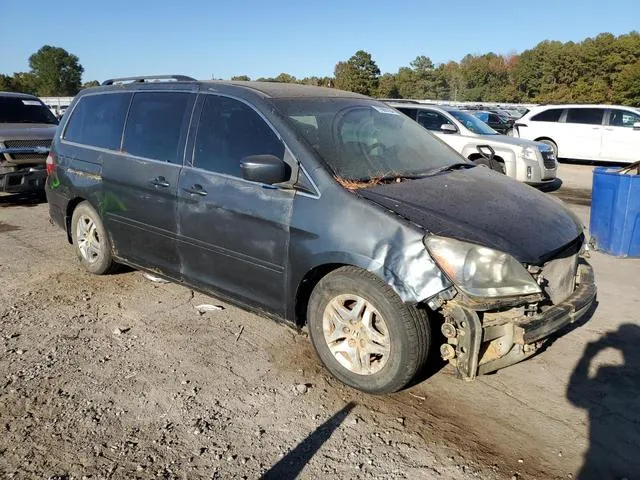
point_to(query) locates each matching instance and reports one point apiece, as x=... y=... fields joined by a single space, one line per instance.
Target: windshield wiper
x=450 y=168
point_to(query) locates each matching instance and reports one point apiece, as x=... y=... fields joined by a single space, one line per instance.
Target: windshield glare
x=362 y=139
x=25 y=110
x=472 y=123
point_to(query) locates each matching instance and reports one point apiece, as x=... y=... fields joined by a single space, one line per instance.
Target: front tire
x=364 y=334
x=90 y=240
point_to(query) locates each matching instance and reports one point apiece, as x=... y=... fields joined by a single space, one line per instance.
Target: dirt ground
x=121 y=377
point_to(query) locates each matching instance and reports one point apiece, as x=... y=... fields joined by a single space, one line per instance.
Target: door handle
x=609 y=129
x=160 y=182
x=196 y=189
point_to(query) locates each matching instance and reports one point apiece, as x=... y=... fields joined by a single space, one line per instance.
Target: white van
x=530 y=162
x=606 y=133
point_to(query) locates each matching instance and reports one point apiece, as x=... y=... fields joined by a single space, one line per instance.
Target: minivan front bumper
x=476 y=346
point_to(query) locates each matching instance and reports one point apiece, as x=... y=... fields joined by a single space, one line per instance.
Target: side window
x=409 y=112
x=98 y=120
x=550 y=115
x=431 y=120
x=229 y=131
x=623 y=118
x=589 y=116
x=157 y=124
x=482 y=116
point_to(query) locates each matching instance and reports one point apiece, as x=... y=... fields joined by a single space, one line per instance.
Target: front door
x=620 y=141
x=141 y=182
x=233 y=234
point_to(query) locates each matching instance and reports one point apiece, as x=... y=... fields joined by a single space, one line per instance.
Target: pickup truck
x=27 y=127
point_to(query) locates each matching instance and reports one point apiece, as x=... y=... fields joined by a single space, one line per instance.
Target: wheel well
x=476 y=156
x=308 y=283
x=545 y=138
x=71 y=206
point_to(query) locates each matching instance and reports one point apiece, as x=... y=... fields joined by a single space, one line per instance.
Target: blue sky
x=263 y=38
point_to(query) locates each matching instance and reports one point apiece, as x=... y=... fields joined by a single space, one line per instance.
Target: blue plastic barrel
x=615 y=212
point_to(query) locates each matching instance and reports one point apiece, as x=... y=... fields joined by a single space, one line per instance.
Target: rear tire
x=90 y=240
x=551 y=144
x=364 y=334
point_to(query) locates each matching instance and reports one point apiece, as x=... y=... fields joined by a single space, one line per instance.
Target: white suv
x=585 y=132
x=530 y=162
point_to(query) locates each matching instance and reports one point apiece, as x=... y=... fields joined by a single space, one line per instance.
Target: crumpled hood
x=483 y=207
x=27 y=131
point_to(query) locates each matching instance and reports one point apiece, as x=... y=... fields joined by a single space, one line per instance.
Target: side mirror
x=486 y=151
x=636 y=126
x=267 y=169
x=448 y=128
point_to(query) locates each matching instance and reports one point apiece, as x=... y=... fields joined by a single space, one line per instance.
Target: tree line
x=603 y=69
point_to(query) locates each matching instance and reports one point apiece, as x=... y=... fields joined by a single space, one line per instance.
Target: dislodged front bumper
x=478 y=343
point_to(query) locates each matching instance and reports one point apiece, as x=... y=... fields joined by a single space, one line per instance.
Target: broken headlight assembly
x=480 y=271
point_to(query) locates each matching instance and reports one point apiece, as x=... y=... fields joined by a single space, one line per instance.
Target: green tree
x=387 y=87
x=627 y=87
x=285 y=78
x=359 y=74
x=240 y=78
x=25 y=82
x=57 y=72
x=90 y=84
x=6 y=83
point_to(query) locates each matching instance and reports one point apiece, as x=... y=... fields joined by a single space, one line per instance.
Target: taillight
x=51 y=163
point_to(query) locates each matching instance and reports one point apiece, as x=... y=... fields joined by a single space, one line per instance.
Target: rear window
x=589 y=116
x=551 y=115
x=156 y=125
x=25 y=110
x=97 y=120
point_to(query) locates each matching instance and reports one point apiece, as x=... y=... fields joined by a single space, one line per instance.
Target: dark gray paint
x=254 y=244
x=486 y=208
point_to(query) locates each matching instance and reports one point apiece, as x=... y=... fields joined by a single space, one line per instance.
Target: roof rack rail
x=143 y=79
x=398 y=100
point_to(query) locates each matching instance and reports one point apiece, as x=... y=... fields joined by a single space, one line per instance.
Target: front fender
x=409 y=270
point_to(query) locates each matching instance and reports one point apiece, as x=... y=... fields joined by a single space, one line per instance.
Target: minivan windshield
x=472 y=123
x=25 y=110
x=362 y=140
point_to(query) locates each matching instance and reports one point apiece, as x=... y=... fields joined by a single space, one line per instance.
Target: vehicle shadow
x=294 y=462
x=22 y=200
x=611 y=398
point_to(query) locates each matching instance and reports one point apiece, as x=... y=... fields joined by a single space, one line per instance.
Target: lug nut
x=448 y=330
x=447 y=352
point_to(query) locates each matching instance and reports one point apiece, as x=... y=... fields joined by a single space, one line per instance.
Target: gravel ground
x=122 y=377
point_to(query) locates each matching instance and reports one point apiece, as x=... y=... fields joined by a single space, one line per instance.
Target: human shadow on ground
x=611 y=397
x=293 y=462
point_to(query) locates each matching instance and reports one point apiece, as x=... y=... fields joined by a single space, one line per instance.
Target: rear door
x=233 y=233
x=582 y=133
x=620 y=141
x=140 y=183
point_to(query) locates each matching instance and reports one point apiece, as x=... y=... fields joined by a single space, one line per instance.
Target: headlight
x=529 y=153
x=480 y=271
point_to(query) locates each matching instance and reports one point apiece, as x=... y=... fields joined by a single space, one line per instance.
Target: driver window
x=432 y=120
x=623 y=118
x=229 y=131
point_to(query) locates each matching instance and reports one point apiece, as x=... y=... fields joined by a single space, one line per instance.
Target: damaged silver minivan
x=322 y=208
